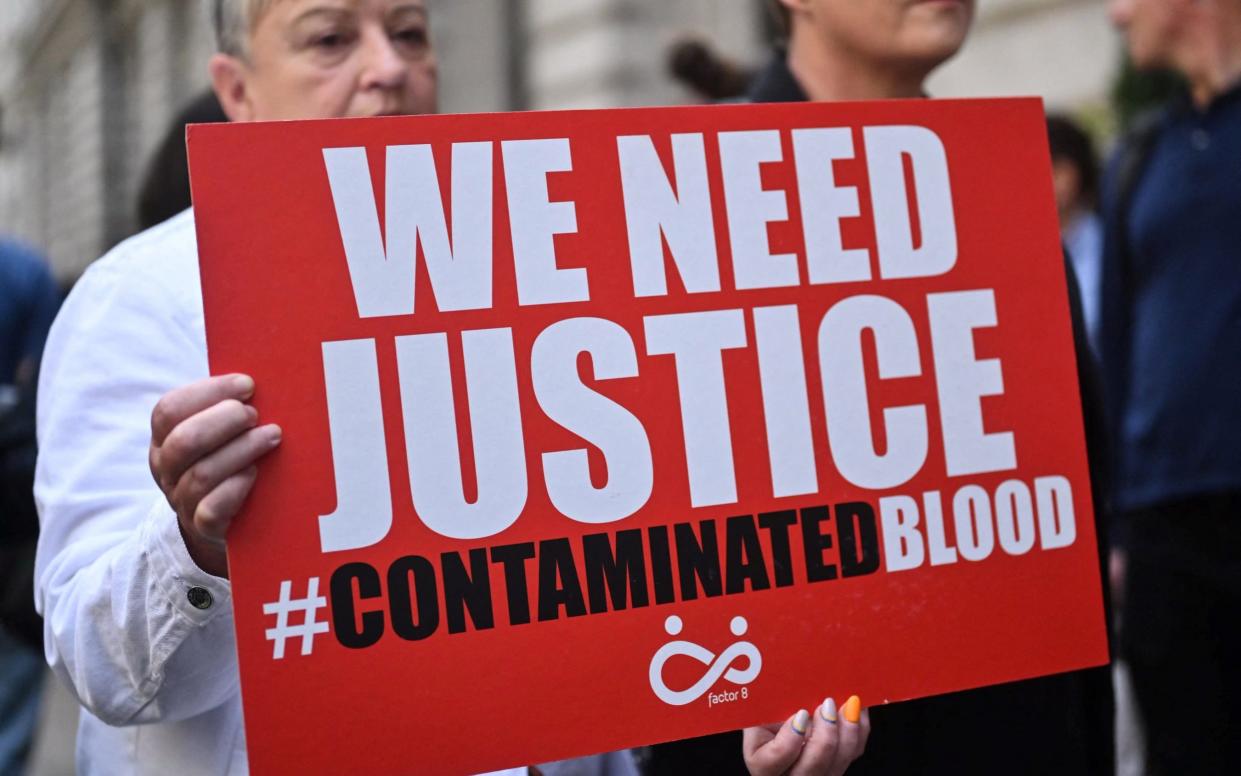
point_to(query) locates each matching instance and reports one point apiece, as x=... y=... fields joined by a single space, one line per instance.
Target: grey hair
x=234 y=20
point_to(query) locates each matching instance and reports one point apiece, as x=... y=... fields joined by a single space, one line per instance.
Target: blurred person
x=29 y=299
x=145 y=460
x=165 y=190
x=880 y=49
x=1075 y=178
x=1171 y=343
x=860 y=50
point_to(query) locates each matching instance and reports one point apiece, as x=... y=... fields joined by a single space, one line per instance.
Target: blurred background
x=91 y=89
x=88 y=87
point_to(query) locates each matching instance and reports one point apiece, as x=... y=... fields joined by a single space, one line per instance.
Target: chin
x=933 y=53
x=943 y=28
x=941 y=39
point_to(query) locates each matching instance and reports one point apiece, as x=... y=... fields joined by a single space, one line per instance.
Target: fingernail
x=828 y=710
x=275 y=434
x=853 y=709
x=800 y=720
x=244 y=384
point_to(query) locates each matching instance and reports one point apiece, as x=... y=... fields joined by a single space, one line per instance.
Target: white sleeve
x=113 y=578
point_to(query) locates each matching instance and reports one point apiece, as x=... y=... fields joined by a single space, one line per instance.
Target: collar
x=1183 y=104
x=1227 y=97
x=776 y=82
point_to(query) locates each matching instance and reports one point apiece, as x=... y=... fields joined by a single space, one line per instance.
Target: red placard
x=603 y=428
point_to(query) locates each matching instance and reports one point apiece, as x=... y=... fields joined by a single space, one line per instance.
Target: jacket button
x=200 y=598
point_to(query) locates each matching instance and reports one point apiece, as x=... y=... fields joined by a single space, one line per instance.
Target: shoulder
x=158 y=266
x=145 y=290
x=130 y=330
x=167 y=253
x=1132 y=151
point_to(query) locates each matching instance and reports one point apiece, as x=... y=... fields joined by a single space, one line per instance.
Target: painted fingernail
x=244 y=384
x=828 y=710
x=800 y=720
x=853 y=709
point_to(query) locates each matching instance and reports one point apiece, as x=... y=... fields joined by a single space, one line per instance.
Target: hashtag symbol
x=310 y=626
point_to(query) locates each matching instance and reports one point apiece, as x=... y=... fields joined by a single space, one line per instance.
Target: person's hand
x=822 y=743
x=205 y=441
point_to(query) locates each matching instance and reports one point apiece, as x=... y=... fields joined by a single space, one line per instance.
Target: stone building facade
x=87 y=87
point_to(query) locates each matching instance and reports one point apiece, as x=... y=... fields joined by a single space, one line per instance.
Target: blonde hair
x=234 y=20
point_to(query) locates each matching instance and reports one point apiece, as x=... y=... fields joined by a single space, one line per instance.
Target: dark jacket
x=1171 y=309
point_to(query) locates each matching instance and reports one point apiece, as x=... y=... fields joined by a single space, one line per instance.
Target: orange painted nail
x=852 y=709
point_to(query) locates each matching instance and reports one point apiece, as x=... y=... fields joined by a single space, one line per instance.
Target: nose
x=383 y=67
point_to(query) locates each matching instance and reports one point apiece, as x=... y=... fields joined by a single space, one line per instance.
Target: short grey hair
x=234 y=20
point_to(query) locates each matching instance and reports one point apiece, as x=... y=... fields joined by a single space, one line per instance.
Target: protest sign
x=603 y=428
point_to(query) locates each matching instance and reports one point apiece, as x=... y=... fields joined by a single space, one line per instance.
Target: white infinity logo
x=716 y=667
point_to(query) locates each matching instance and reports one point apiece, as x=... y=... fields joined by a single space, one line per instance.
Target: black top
x=775 y=83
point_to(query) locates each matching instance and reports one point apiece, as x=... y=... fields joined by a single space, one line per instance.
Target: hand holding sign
x=204 y=444
x=820 y=743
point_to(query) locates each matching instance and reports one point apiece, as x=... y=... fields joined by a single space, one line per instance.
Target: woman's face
x=337 y=58
x=918 y=34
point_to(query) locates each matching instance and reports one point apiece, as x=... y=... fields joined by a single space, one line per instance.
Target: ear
x=230 y=80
